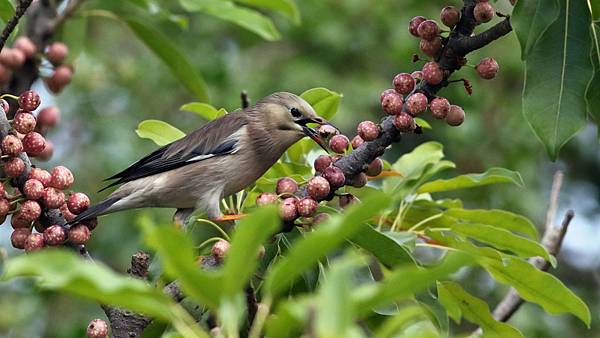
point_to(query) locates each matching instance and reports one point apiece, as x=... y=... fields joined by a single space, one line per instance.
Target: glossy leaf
x=158 y=131
x=7 y=10
x=593 y=91
x=387 y=250
x=491 y=176
x=558 y=71
x=531 y=19
x=324 y=101
x=204 y=110
x=497 y=218
x=286 y=7
x=459 y=303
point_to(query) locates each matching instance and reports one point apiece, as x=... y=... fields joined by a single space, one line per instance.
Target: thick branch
x=22 y=6
x=471 y=43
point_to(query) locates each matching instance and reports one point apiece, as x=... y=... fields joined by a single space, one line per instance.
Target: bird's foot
x=234 y=217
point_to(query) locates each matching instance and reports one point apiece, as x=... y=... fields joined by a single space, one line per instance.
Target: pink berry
x=24 y=123
x=19 y=236
x=439 y=107
x=29 y=100
x=483 y=12
x=432 y=73
x=417 y=75
x=307 y=207
x=431 y=48
x=66 y=213
x=40 y=175
x=17 y=221
x=456 y=116
x=357 y=141
x=34 y=242
x=335 y=177
x=12 y=57
x=79 y=234
x=46 y=154
x=392 y=103
x=97 y=328
x=49 y=116
x=288 y=209
x=404 y=123
x=4 y=207
x=416 y=103
x=346 y=200
x=286 y=185
x=322 y=162
x=54 y=235
x=320 y=218
x=25 y=45
x=34 y=143
x=57 y=53
x=266 y=198
x=78 y=202
x=404 y=83
x=368 y=130
x=327 y=131
x=413 y=25
x=14 y=167
x=428 y=30
x=359 y=180
x=11 y=145
x=385 y=92
x=60 y=78
x=487 y=68
x=339 y=143
x=30 y=210
x=375 y=168
x=2 y=191
x=62 y=178
x=53 y=198
x=318 y=188
x=450 y=16
x=220 y=248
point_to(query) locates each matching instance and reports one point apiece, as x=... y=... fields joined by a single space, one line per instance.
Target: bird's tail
x=94 y=210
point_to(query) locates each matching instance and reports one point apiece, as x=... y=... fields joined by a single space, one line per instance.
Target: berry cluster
x=37 y=190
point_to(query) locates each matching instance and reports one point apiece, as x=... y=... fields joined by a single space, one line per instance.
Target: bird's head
x=289 y=117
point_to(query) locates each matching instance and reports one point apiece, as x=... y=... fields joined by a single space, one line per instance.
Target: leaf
x=498 y=218
x=74 y=34
x=531 y=19
x=422 y=123
x=167 y=51
x=593 y=91
x=203 y=110
x=324 y=101
x=557 y=73
x=396 y=324
x=491 y=176
x=537 y=286
x=243 y=17
x=459 y=303
x=7 y=10
x=158 y=131
x=286 y=7
x=66 y=272
x=389 y=252
x=329 y=235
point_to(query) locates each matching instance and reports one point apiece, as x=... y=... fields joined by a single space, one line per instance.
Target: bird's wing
x=216 y=138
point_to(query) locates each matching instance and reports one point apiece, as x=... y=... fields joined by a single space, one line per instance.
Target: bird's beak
x=313 y=134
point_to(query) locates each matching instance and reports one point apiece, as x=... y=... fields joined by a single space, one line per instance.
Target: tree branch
x=22 y=6
x=471 y=43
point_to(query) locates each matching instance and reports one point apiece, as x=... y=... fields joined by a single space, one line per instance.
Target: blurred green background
x=354 y=47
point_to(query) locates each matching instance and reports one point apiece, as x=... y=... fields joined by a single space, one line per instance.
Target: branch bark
x=22 y=6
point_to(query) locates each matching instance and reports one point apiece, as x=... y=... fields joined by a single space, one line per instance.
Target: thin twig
x=22 y=6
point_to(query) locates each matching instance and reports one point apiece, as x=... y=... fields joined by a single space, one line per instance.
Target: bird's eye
x=295 y=112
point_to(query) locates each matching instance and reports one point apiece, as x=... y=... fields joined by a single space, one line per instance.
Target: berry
x=25 y=45
x=392 y=103
x=91 y=223
x=450 y=16
x=4 y=207
x=17 y=221
x=368 y=130
x=11 y=145
x=220 y=249
x=404 y=122
x=5 y=75
x=357 y=141
x=456 y=116
x=60 y=78
x=428 y=30
x=29 y=100
x=266 y=198
x=2 y=191
x=335 y=177
x=79 y=234
x=40 y=175
x=404 y=83
x=339 y=143
x=318 y=188
x=34 y=242
x=327 y=131
x=385 y=92
x=413 y=25
x=49 y=116
x=432 y=73
x=78 y=202
x=286 y=185
x=431 y=48
x=307 y=207
x=4 y=105
x=54 y=235
x=483 y=12
x=30 y=210
x=53 y=198
x=24 y=123
x=97 y=328
x=62 y=178
x=439 y=107
x=288 y=209
x=34 y=143
x=46 y=154
x=417 y=75
x=375 y=168
x=346 y=199
x=319 y=218
x=14 y=167
x=416 y=103
x=359 y=180
x=322 y=162
x=57 y=53
x=487 y=68
x=12 y=57
x=19 y=236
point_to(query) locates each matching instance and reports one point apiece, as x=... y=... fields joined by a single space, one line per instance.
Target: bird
x=219 y=159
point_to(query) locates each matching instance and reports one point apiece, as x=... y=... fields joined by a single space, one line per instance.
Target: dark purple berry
x=322 y=162
x=428 y=30
x=335 y=177
x=456 y=116
x=413 y=25
x=450 y=16
x=318 y=188
x=404 y=83
x=286 y=185
x=339 y=143
x=439 y=107
x=487 y=68
x=307 y=207
x=432 y=73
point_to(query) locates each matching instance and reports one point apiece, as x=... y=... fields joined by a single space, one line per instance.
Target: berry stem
x=10 y=96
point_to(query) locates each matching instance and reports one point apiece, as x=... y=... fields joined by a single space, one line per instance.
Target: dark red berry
x=34 y=242
x=431 y=47
x=97 y=328
x=368 y=130
x=2 y=191
x=487 y=68
x=326 y=131
x=432 y=73
x=322 y=162
x=392 y=103
x=57 y=53
x=413 y=25
x=19 y=236
x=483 y=12
x=320 y=218
x=318 y=188
x=78 y=202
x=24 y=123
x=54 y=235
x=220 y=248
x=417 y=75
x=14 y=167
x=357 y=141
x=17 y=221
x=346 y=200
x=266 y=198
x=62 y=178
x=66 y=213
x=339 y=143
x=30 y=210
x=4 y=207
x=450 y=16
x=385 y=92
x=11 y=145
x=359 y=180
x=439 y=107
x=40 y=175
x=53 y=198
x=12 y=57
x=49 y=116
x=79 y=234
x=404 y=83
x=375 y=168
x=404 y=122
x=286 y=185
x=46 y=154
x=91 y=223
x=25 y=45
x=288 y=209
x=34 y=143
x=335 y=177
x=307 y=207
x=456 y=116
x=60 y=78
x=29 y=100
x=428 y=30
x=416 y=103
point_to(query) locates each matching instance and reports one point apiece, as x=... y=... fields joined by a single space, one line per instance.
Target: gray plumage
x=215 y=161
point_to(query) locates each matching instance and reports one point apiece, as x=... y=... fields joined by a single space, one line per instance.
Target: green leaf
x=459 y=303
x=226 y=10
x=204 y=110
x=74 y=34
x=557 y=73
x=537 y=286
x=242 y=258
x=329 y=235
x=491 y=176
x=422 y=123
x=158 y=131
x=407 y=315
x=498 y=218
x=531 y=19
x=593 y=91
x=387 y=250
x=163 y=47
x=324 y=101
x=286 y=7
x=66 y=272
x=7 y=10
